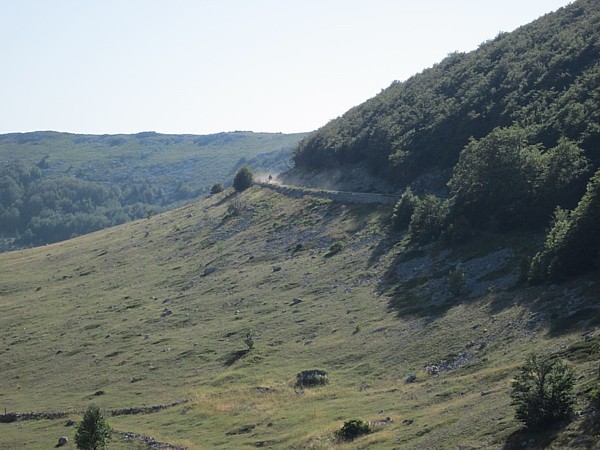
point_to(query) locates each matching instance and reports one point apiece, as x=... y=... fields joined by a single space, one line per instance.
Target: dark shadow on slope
x=590 y=425
x=417 y=284
x=558 y=309
x=534 y=439
x=225 y=199
x=383 y=246
x=406 y=301
x=233 y=357
x=584 y=319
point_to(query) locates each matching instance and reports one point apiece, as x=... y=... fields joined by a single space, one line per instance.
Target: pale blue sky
x=204 y=66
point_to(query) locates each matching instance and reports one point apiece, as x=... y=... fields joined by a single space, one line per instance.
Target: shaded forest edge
x=501 y=139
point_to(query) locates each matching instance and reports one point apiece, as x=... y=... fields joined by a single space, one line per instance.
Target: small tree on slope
x=543 y=391
x=93 y=433
x=243 y=178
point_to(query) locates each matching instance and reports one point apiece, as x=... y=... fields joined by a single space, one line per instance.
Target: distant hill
x=58 y=185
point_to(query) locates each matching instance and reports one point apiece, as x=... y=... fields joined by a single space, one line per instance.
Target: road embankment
x=336 y=196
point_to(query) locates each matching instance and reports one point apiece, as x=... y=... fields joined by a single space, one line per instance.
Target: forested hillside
x=510 y=133
x=54 y=186
x=543 y=78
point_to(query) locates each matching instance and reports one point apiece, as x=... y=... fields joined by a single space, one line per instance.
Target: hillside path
x=338 y=196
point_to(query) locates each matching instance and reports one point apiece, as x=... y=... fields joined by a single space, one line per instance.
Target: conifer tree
x=93 y=433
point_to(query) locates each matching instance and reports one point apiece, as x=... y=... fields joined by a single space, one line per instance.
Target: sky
x=207 y=66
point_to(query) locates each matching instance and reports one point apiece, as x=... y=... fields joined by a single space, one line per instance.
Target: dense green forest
x=54 y=186
x=510 y=131
x=544 y=77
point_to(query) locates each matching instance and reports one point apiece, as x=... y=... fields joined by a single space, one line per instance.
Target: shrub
x=404 y=210
x=93 y=432
x=216 y=188
x=459 y=230
x=565 y=173
x=243 y=178
x=334 y=249
x=249 y=340
x=479 y=187
x=456 y=281
x=543 y=391
x=429 y=219
x=352 y=429
x=595 y=393
x=235 y=207
x=572 y=244
x=310 y=378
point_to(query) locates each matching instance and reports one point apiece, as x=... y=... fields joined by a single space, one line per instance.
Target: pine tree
x=93 y=433
x=543 y=391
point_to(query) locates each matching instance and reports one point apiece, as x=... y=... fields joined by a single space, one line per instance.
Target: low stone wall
x=148 y=441
x=14 y=417
x=336 y=196
x=144 y=409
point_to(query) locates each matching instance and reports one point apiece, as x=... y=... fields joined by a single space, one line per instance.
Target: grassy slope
x=85 y=316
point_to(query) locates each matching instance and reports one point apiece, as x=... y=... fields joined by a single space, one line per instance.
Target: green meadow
x=155 y=312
